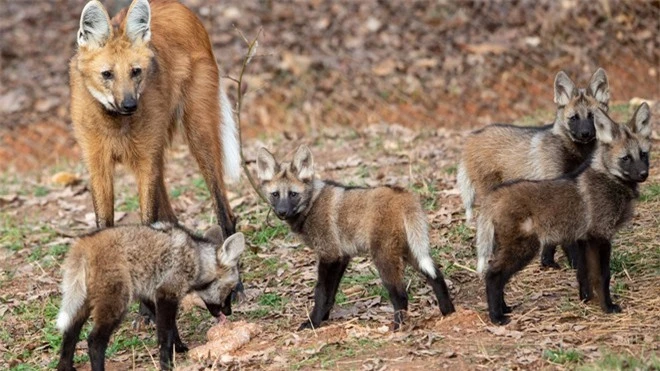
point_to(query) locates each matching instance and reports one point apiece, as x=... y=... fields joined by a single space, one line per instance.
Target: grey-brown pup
x=588 y=206
x=159 y=264
x=339 y=222
x=499 y=153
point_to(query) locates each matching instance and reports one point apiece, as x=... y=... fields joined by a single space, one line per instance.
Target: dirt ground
x=383 y=93
x=551 y=328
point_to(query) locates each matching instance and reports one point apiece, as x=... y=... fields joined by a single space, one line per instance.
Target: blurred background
x=420 y=64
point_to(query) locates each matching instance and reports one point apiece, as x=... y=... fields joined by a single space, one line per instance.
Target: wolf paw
x=550 y=263
x=506 y=309
x=499 y=319
x=613 y=308
x=306 y=325
x=180 y=347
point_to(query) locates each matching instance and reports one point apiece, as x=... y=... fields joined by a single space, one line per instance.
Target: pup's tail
x=485 y=240
x=468 y=192
x=74 y=292
x=417 y=233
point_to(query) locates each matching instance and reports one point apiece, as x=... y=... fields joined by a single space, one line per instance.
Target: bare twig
x=252 y=48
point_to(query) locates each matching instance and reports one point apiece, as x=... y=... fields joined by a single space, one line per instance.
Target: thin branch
x=239 y=105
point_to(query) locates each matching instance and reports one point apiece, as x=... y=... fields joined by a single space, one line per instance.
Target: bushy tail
x=467 y=190
x=485 y=240
x=231 y=146
x=417 y=232
x=74 y=293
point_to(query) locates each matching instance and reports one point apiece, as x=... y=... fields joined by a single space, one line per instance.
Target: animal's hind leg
x=201 y=120
x=329 y=276
x=441 y=291
x=391 y=273
x=70 y=338
x=100 y=336
x=510 y=257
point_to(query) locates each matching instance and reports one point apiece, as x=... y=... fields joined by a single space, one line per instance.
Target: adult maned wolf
x=105 y=270
x=499 y=153
x=588 y=206
x=339 y=222
x=134 y=79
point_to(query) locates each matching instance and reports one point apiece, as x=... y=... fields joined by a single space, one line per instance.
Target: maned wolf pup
x=587 y=206
x=339 y=222
x=546 y=152
x=134 y=80
x=160 y=264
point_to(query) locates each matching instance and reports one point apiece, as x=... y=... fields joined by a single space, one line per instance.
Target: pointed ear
x=606 y=129
x=641 y=121
x=95 y=27
x=214 y=234
x=303 y=163
x=564 y=89
x=599 y=87
x=266 y=165
x=138 y=21
x=231 y=250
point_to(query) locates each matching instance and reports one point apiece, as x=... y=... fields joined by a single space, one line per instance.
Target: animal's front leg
x=154 y=205
x=166 y=308
x=101 y=171
x=603 y=248
x=327 y=283
x=582 y=271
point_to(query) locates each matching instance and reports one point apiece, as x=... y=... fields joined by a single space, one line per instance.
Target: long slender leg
x=151 y=188
x=441 y=291
x=604 y=249
x=391 y=271
x=98 y=341
x=336 y=279
x=101 y=173
x=582 y=271
x=570 y=250
x=509 y=258
x=166 y=309
x=149 y=313
x=201 y=120
x=70 y=339
x=328 y=278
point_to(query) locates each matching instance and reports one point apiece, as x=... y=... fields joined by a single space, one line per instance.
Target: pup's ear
x=564 y=89
x=641 y=121
x=303 y=163
x=266 y=165
x=606 y=129
x=138 y=21
x=215 y=234
x=95 y=27
x=231 y=250
x=599 y=87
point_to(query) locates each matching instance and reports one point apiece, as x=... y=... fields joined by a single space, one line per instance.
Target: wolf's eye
x=590 y=116
x=107 y=75
x=644 y=155
x=574 y=117
x=135 y=72
x=626 y=158
x=293 y=194
x=275 y=194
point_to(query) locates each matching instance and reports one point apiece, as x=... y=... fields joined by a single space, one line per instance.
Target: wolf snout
x=129 y=104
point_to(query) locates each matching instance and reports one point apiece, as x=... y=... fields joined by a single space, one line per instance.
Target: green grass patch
x=176 y=193
x=40 y=191
x=562 y=356
x=201 y=191
x=266 y=234
x=271 y=300
x=612 y=361
x=624 y=260
x=130 y=203
x=650 y=193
